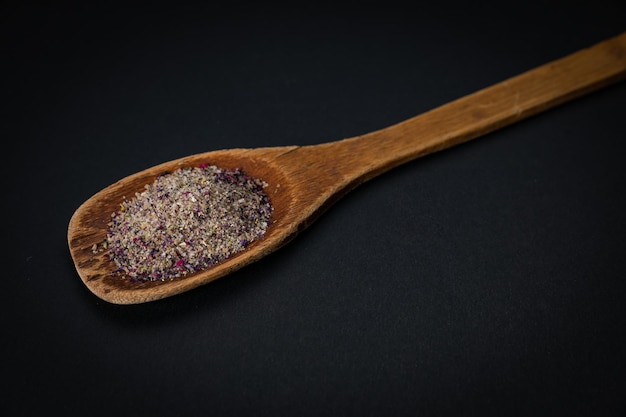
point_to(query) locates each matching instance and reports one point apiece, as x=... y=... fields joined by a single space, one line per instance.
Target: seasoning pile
x=186 y=221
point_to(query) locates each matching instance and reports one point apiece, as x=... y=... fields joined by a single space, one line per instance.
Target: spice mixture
x=186 y=221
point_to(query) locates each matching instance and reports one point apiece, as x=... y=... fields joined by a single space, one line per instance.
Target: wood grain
x=304 y=181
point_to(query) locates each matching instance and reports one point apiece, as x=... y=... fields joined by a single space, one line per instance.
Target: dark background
x=488 y=279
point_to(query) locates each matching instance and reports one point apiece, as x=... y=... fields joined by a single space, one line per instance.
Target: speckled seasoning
x=186 y=221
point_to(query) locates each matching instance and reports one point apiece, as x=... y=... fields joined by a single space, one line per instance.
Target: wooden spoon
x=304 y=181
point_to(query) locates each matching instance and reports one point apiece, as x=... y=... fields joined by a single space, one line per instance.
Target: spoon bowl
x=304 y=181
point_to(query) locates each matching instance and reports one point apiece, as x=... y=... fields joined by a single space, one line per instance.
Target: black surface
x=488 y=279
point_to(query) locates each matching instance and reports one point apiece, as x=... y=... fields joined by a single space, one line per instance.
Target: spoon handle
x=504 y=103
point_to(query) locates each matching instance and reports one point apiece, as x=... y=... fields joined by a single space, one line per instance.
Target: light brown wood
x=304 y=181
